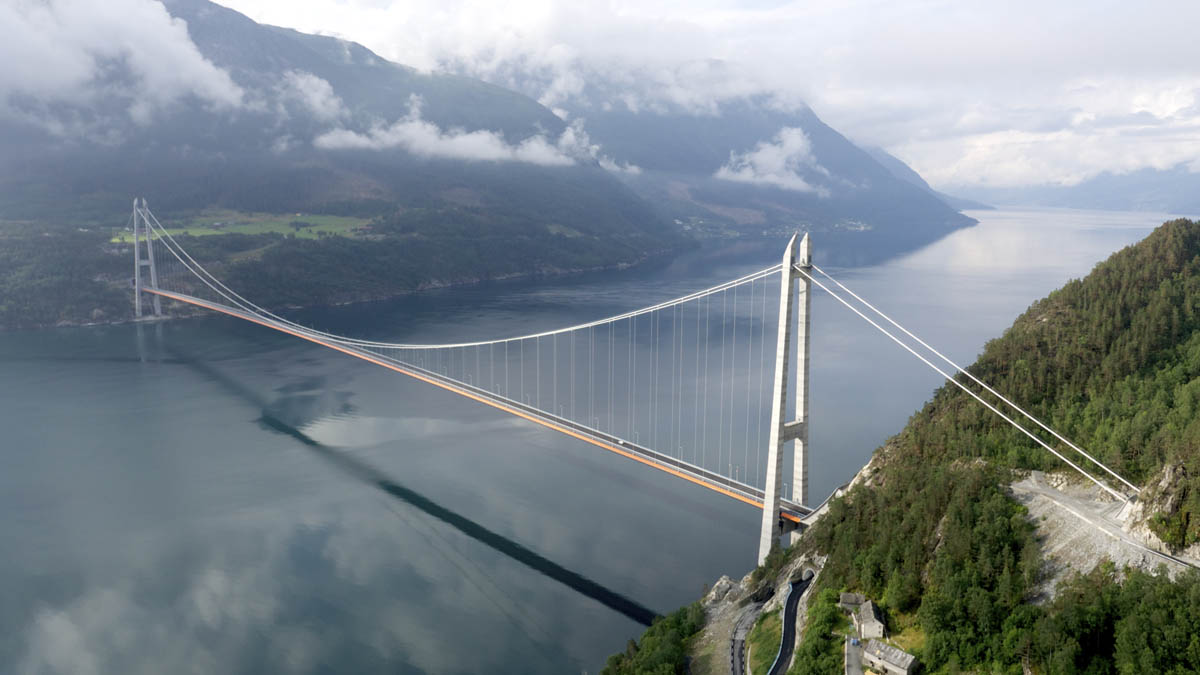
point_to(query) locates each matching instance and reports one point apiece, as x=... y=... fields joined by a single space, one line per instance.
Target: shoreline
x=433 y=285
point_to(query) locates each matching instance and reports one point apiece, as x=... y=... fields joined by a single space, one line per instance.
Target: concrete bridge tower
x=794 y=322
x=143 y=233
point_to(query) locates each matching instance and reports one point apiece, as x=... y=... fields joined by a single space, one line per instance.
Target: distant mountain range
x=322 y=124
x=906 y=173
x=1175 y=191
x=315 y=123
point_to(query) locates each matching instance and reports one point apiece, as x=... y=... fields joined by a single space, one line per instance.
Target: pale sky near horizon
x=1011 y=93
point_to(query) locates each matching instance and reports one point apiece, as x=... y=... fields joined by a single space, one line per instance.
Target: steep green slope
x=662 y=649
x=1112 y=361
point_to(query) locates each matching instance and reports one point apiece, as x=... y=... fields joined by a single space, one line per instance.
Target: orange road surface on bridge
x=370 y=358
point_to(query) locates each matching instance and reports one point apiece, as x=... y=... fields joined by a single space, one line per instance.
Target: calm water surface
x=202 y=496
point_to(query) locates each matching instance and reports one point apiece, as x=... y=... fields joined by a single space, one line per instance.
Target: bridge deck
x=742 y=492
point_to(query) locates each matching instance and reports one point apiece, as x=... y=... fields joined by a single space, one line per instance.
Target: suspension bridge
x=711 y=387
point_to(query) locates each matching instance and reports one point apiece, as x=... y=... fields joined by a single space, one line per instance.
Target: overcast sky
x=998 y=93
x=969 y=93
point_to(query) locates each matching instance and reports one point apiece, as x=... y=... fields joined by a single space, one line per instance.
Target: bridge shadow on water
x=373 y=477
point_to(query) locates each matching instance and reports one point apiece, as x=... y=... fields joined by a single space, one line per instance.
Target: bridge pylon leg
x=803 y=335
x=141 y=231
x=782 y=430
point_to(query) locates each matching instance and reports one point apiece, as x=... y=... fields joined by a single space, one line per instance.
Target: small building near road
x=851 y=601
x=885 y=658
x=868 y=621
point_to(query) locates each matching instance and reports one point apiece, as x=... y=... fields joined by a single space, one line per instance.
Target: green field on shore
x=219 y=221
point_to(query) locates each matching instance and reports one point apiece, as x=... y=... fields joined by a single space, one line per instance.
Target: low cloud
x=313 y=93
x=608 y=164
x=575 y=142
x=130 y=54
x=778 y=162
x=420 y=137
x=1054 y=78
x=416 y=135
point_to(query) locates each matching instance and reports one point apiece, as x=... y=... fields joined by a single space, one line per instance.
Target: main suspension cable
x=978 y=381
x=960 y=385
x=241 y=302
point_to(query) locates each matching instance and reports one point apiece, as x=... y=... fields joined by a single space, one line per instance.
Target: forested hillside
x=55 y=275
x=1112 y=361
x=51 y=274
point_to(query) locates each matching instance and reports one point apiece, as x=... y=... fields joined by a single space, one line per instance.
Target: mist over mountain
x=241 y=115
x=286 y=122
x=1175 y=190
x=745 y=161
x=906 y=173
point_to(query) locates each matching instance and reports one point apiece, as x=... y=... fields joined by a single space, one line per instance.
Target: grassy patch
x=907 y=633
x=221 y=221
x=706 y=658
x=763 y=641
x=820 y=649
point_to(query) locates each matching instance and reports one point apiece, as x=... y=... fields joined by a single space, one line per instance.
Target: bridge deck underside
x=747 y=494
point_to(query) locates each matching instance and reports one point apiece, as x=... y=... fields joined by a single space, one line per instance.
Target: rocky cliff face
x=1160 y=506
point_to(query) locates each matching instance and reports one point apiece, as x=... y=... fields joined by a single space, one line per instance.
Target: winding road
x=788 y=643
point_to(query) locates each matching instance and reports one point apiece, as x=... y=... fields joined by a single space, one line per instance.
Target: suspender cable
x=629 y=394
x=721 y=412
x=762 y=351
x=655 y=362
x=676 y=442
x=704 y=426
x=733 y=356
x=696 y=375
x=592 y=377
x=745 y=441
x=611 y=352
x=239 y=301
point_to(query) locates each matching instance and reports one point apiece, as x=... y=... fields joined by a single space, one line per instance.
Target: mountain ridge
x=1175 y=191
x=460 y=179
x=905 y=172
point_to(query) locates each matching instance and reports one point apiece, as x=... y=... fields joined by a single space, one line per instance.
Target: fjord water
x=205 y=495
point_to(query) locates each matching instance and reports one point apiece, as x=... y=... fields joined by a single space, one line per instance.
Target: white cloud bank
x=314 y=94
x=778 y=162
x=420 y=137
x=65 y=51
x=1024 y=92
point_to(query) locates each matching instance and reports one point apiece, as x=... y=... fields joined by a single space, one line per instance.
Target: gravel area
x=1080 y=525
